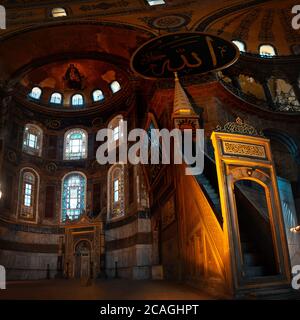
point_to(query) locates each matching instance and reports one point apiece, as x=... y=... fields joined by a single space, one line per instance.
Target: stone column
x=295 y=85
x=268 y=94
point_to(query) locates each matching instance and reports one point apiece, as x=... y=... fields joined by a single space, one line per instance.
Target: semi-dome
x=73 y=83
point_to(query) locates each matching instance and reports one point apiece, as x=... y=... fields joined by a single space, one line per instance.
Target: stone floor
x=101 y=290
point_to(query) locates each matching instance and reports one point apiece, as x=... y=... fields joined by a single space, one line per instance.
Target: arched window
x=77 y=100
x=73 y=195
x=75 y=147
x=116 y=126
x=267 y=51
x=116 y=206
x=240 y=45
x=115 y=86
x=32 y=139
x=98 y=95
x=59 y=12
x=35 y=93
x=56 y=98
x=155 y=2
x=28 y=194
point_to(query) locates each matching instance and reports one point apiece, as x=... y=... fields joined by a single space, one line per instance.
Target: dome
x=266 y=24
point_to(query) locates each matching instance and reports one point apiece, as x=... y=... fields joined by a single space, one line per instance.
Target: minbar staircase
x=252 y=258
x=208 y=182
x=210 y=191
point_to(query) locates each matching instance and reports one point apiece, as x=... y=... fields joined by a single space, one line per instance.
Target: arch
x=33 y=139
x=35 y=93
x=116 y=191
x=73 y=201
x=115 y=86
x=285 y=153
x=77 y=100
x=240 y=44
x=97 y=95
x=283 y=94
x=285 y=139
x=28 y=194
x=56 y=98
x=267 y=50
x=75 y=144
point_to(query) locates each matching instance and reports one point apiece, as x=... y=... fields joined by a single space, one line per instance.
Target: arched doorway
x=82 y=260
x=255 y=231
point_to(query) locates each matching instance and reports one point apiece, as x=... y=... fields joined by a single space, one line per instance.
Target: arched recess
x=283 y=94
x=251 y=86
x=75 y=144
x=28 y=200
x=33 y=139
x=73 y=195
x=116 y=191
x=253 y=210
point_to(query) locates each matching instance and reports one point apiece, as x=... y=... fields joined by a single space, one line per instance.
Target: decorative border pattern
x=243 y=149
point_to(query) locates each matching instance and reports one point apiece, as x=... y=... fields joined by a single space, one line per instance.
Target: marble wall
x=129 y=246
x=28 y=255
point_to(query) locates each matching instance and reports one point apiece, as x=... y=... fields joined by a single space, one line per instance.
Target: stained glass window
x=75 y=144
x=28 y=193
x=73 y=196
x=98 y=95
x=77 y=100
x=116 y=207
x=115 y=86
x=56 y=98
x=32 y=140
x=35 y=93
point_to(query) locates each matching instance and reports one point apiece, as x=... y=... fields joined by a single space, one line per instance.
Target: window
x=267 y=51
x=116 y=190
x=77 y=100
x=29 y=183
x=98 y=95
x=116 y=126
x=116 y=133
x=115 y=86
x=56 y=98
x=59 y=12
x=116 y=203
x=240 y=45
x=155 y=2
x=75 y=144
x=73 y=196
x=32 y=140
x=35 y=93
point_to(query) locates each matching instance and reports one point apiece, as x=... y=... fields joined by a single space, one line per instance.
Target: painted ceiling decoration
x=172 y=22
x=267 y=23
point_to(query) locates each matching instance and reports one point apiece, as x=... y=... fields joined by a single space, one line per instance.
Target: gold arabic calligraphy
x=157 y=70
